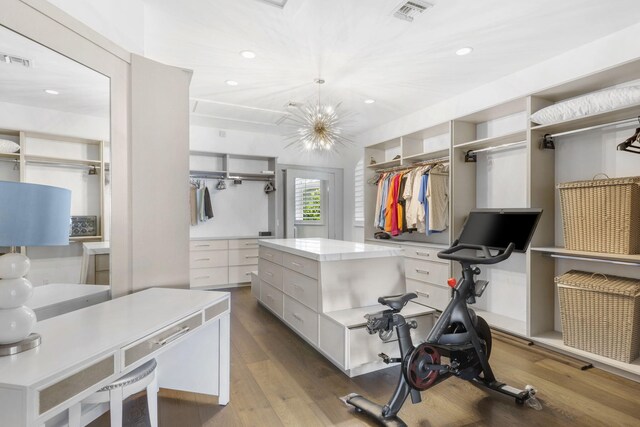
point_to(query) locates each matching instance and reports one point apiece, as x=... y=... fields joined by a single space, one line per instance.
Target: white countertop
x=230 y=237
x=330 y=250
x=96 y=248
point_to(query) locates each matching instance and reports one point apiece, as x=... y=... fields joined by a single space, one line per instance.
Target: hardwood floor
x=279 y=380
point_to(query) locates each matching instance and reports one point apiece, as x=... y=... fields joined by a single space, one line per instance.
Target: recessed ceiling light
x=51 y=92
x=248 y=54
x=369 y=101
x=464 y=51
x=232 y=83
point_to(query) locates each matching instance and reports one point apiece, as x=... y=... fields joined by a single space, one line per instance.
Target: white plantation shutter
x=308 y=200
x=358 y=217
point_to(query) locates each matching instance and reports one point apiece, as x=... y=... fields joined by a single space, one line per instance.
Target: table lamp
x=30 y=215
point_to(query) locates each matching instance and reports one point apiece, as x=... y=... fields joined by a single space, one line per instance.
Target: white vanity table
x=322 y=289
x=186 y=331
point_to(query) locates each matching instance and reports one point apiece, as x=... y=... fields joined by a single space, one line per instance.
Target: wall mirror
x=58 y=112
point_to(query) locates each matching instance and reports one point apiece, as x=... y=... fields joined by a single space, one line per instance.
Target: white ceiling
x=361 y=50
x=81 y=89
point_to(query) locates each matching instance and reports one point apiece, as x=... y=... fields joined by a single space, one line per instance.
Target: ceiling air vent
x=277 y=3
x=15 y=60
x=407 y=10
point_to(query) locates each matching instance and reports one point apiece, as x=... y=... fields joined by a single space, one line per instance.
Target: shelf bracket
x=470 y=157
x=547 y=142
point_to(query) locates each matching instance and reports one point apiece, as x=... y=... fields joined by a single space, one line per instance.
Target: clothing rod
x=230 y=178
x=577 y=258
x=619 y=122
x=62 y=164
x=414 y=165
x=15 y=161
x=499 y=147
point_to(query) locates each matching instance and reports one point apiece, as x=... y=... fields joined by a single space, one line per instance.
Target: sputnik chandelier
x=319 y=126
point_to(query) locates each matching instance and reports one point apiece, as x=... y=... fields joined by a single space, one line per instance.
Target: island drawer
x=302 y=288
x=271 y=255
x=270 y=272
x=272 y=298
x=306 y=266
x=301 y=318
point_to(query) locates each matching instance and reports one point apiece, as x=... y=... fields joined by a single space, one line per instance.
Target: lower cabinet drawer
x=302 y=288
x=255 y=285
x=208 y=259
x=203 y=277
x=272 y=298
x=52 y=395
x=426 y=271
x=270 y=272
x=423 y=253
x=306 y=266
x=430 y=295
x=301 y=318
x=148 y=345
x=241 y=273
x=102 y=262
x=243 y=244
x=364 y=348
x=243 y=256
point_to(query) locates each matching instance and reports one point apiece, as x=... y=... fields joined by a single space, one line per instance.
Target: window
x=358 y=218
x=308 y=201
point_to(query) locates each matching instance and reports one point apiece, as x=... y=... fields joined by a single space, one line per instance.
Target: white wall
x=205 y=138
x=121 y=21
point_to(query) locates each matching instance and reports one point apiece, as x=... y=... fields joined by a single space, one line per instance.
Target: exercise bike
x=459 y=344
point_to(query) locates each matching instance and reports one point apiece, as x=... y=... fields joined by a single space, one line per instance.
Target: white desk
x=55 y=299
x=186 y=331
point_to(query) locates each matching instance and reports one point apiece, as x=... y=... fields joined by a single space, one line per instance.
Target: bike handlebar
x=451 y=254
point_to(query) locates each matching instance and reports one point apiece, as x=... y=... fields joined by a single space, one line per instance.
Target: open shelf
x=593 y=256
x=503 y=323
x=623 y=113
x=554 y=340
x=426 y=156
x=10 y=155
x=252 y=175
x=519 y=136
x=381 y=165
x=200 y=172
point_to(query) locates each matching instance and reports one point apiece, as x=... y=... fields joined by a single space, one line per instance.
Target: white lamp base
x=32 y=341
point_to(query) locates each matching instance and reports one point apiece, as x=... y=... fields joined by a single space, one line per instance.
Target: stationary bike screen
x=496 y=228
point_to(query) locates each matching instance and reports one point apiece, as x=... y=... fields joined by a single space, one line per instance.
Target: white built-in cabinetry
x=220 y=263
x=497 y=160
x=323 y=288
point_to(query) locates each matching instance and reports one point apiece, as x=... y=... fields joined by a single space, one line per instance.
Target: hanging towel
x=193 y=204
x=208 y=210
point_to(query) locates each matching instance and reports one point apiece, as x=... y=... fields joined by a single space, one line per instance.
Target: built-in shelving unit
x=497 y=161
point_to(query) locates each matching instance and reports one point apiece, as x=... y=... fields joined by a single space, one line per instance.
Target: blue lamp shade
x=34 y=215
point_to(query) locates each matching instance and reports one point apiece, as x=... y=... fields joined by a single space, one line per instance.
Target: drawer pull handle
x=171 y=337
x=248 y=273
x=297 y=286
x=422 y=253
x=267 y=254
x=268 y=273
x=251 y=256
x=202 y=246
x=421 y=271
x=300 y=319
x=270 y=297
x=424 y=294
x=296 y=264
x=251 y=244
x=200 y=277
x=203 y=259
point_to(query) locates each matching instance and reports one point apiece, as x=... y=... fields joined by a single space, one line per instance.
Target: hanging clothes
x=376 y=216
x=422 y=198
x=193 y=204
x=208 y=209
x=438 y=198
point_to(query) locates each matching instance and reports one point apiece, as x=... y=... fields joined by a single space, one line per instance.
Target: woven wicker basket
x=600 y=314
x=602 y=215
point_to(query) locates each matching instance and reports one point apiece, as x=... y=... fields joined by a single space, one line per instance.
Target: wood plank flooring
x=279 y=380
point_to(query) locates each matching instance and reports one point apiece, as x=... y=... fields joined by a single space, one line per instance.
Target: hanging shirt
x=408 y=197
x=193 y=204
x=438 y=198
x=422 y=198
x=376 y=216
x=415 y=210
x=383 y=201
x=208 y=209
x=402 y=220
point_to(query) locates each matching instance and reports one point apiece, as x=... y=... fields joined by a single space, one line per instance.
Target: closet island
x=322 y=289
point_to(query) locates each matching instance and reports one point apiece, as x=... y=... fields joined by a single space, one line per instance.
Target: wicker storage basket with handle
x=602 y=215
x=600 y=314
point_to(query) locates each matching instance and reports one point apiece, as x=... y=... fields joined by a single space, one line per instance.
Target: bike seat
x=396 y=302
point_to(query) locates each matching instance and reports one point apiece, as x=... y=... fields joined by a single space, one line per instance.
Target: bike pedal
x=386 y=359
